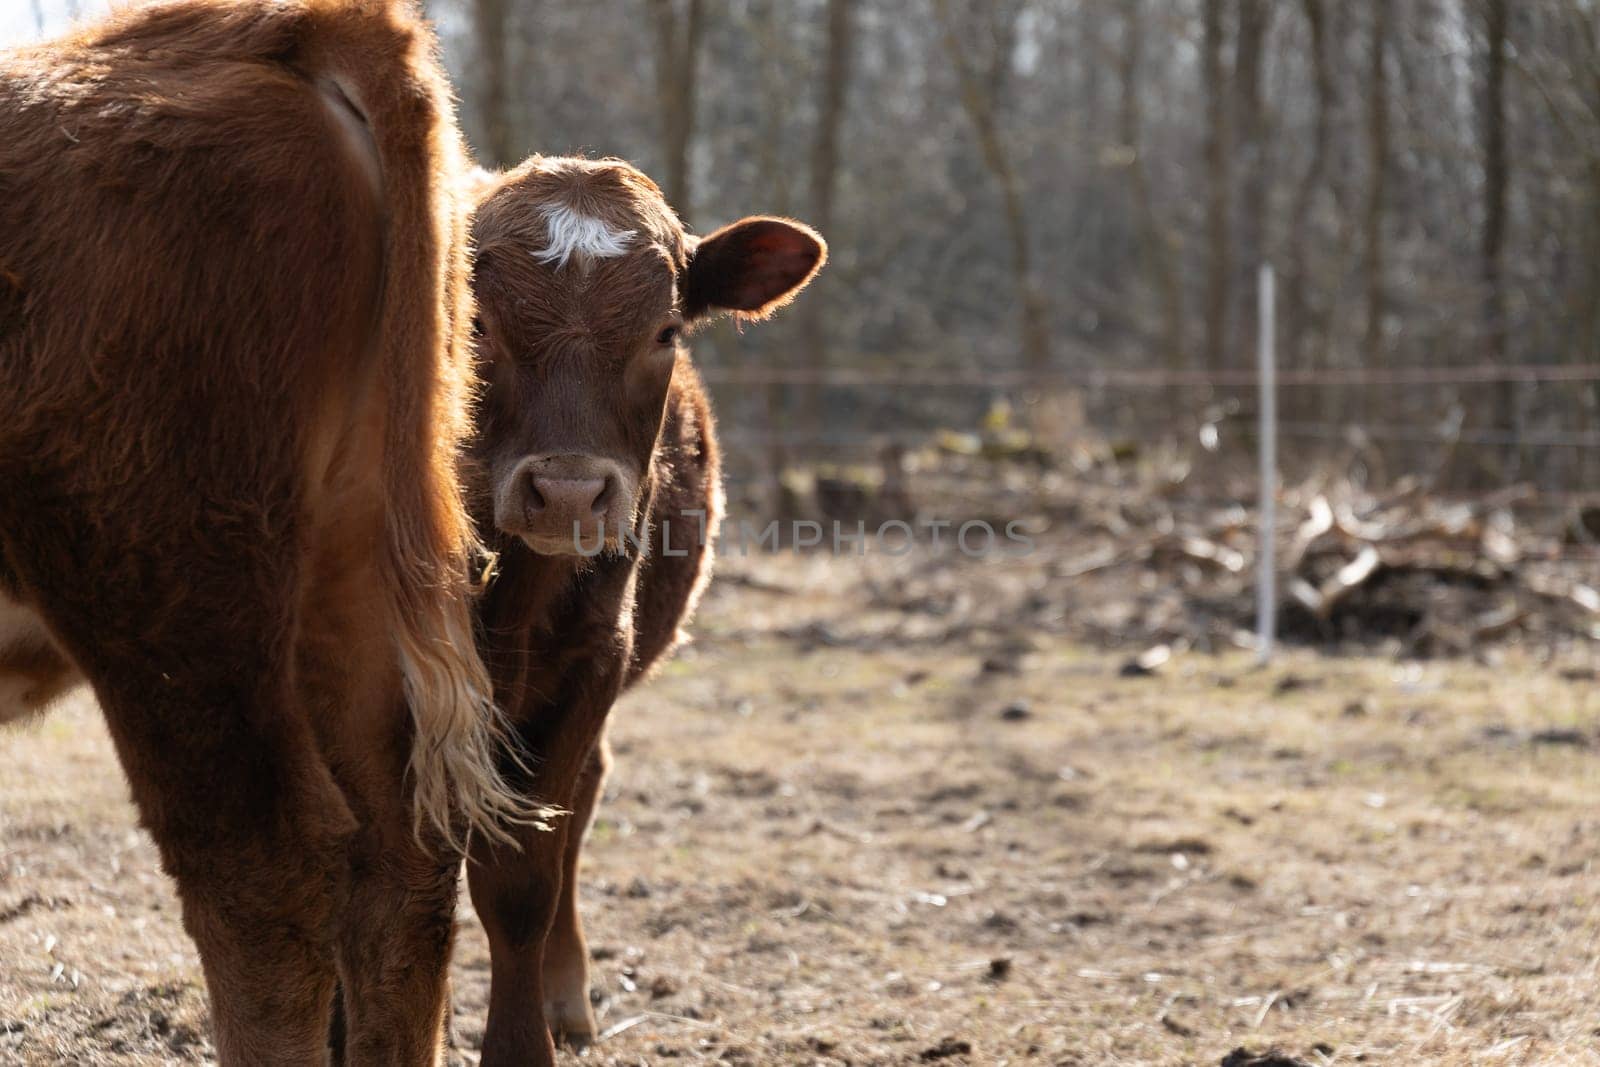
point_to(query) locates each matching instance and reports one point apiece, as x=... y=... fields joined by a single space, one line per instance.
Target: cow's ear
x=751 y=268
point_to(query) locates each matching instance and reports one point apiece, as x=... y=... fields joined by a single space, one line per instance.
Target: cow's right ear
x=751 y=268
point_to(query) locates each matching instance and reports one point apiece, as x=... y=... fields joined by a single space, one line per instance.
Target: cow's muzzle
x=566 y=504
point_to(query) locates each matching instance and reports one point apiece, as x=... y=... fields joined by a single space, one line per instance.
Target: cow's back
x=187 y=249
x=232 y=294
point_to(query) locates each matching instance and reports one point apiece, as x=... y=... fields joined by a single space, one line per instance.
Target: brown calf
x=593 y=429
x=233 y=367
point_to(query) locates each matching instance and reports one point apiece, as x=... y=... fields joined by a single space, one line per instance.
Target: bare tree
x=830 y=112
x=1586 y=35
x=980 y=98
x=835 y=90
x=490 y=26
x=1496 y=184
x=1378 y=178
x=1156 y=244
x=1091 y=20
x=678 y=44
x=1219 y=182
x=767 y=25
x=1252 y=145
x=1299 y=267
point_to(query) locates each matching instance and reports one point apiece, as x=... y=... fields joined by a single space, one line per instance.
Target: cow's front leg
x=566 y=953
x=517 y=891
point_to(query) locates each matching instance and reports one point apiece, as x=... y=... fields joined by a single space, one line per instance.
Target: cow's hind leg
x=255 y=835
x=338 y=1032
x=566 y=951
x=263 y=930
x=394 y=951
x=188 y=642
x=396 y=925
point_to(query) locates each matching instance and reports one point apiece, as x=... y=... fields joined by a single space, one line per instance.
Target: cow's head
x=586 y=283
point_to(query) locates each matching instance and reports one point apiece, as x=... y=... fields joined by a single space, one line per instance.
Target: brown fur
x=233 y=369
x=575 y=367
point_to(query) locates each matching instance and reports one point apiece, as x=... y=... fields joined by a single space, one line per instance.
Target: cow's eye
x=477 y=327
x=667 y=337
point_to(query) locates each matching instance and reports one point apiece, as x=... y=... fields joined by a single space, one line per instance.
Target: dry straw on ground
x=844 y=833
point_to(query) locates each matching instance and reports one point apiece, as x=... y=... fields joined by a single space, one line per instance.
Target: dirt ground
x=848 y=830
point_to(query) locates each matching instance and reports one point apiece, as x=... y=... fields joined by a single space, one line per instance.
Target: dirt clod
x=1016 y=711
x=1243 y=1057
x=1292 y=683
x=946 y=1049
x=1560 y=736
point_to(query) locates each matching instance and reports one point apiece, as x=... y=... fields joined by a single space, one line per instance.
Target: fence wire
x=867 y=414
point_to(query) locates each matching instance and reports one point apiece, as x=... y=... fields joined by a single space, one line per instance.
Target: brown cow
x=233 y=366
x=593 y=428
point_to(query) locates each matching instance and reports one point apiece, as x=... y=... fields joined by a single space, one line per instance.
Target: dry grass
x=827 y=843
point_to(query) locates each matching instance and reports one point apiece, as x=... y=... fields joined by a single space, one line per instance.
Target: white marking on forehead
x=573 y=233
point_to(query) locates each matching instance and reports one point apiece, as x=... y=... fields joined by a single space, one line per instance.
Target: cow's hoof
x=572 y=1025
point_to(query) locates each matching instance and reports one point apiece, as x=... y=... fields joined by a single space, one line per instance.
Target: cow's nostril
x=534 y=500
x=608 y=492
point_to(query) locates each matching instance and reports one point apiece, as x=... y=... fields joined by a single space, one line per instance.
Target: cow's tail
x=382 y=58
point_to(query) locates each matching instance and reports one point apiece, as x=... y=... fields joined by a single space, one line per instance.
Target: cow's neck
x=552 y=623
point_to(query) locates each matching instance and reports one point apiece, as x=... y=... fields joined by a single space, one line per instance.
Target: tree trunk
x=1378 y=181
x=830 y=113
x=678 y=42
x=1155 y=246
x=1299 y=267
x=979 y=98
x=1252 y=146
x=1591 y=331
x=1219 y=185
x=768 y=28
x=835 y=88
x=490 y=26
x=1496 y=184
x=1090 y=20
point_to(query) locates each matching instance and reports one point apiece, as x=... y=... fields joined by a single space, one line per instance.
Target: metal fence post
x=1267 y=575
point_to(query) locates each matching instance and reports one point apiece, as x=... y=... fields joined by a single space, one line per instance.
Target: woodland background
x=1061 y=205
x=1069 y=199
